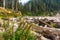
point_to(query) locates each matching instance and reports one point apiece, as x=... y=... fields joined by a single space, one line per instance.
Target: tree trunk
x=50 y=33
x=16 y=1
x=4 y=3
x=13 y=4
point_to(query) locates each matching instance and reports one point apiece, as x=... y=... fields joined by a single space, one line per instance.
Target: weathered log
x=51 y=33
x=45 y=23
x=39 y=36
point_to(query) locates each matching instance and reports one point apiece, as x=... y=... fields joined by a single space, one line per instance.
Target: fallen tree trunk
x=39 y=36
x=50 y=33
x=45 y=23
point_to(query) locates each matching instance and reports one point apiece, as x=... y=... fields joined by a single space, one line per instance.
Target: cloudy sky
x=23 y=1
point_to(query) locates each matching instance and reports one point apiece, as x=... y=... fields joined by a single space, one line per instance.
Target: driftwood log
x=50 y=33
x=47 y=32
x=45 y=23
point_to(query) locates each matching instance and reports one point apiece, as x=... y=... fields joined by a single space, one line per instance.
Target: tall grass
x=23 y=31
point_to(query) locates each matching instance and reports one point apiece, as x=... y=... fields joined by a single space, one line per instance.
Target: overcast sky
x=23 y=1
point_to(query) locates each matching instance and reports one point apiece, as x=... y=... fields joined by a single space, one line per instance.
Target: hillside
x=42 y=6
x=46 y=4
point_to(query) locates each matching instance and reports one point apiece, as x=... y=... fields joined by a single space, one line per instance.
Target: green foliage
x=40 y=7
x=23 y=31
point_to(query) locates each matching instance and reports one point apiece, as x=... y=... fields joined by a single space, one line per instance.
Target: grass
x=23 y=31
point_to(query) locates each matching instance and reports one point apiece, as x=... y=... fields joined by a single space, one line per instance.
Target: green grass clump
x=23 y=31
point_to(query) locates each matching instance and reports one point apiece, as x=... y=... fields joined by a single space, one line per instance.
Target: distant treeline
x=40 y=7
